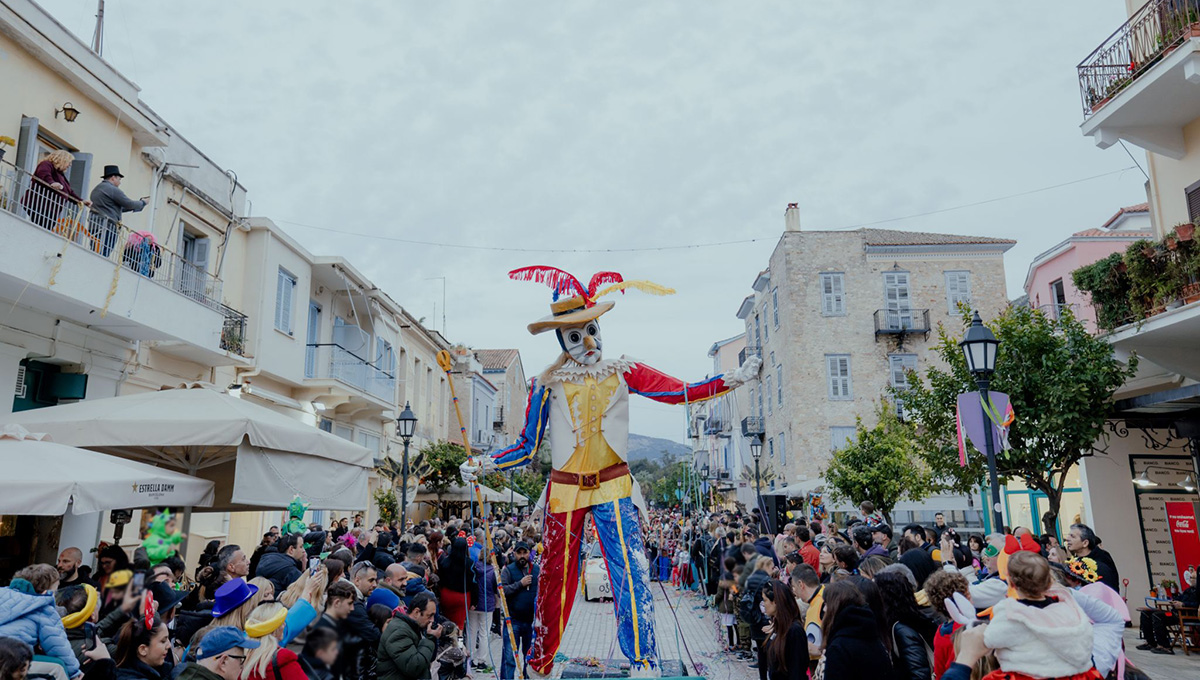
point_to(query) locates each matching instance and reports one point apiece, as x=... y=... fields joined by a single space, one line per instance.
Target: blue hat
x=232 y=595
x=383 y=596
x=222 y=639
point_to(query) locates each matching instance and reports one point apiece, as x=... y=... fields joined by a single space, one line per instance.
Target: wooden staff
x=446 y=363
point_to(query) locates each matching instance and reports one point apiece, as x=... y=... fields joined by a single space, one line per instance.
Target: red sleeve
x=943 y=651
x=656 y=385
x=289 y=665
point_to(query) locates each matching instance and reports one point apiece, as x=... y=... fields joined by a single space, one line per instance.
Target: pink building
x=1048 y=284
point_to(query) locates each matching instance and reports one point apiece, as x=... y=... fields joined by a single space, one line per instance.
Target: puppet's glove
x=476 y=467
x=744 y=373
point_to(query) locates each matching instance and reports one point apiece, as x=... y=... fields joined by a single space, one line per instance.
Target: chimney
x=791 y=217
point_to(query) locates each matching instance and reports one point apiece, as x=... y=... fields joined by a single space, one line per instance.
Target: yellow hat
x=264 y=628
x=78 y=618
x=119 y=578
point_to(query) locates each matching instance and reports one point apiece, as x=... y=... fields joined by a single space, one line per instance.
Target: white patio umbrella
x=257 y=457
x=466 y=494
x=42 y=477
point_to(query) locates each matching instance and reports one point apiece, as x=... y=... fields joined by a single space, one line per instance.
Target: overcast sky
x=625 y=125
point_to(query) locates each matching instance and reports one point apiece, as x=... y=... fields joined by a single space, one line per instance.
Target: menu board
x=1156 y=533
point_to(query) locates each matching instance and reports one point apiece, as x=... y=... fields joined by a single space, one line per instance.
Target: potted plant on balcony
x=5 y=142
x=1144 y=269
x=1106 y=281
x=231 y=340
x=1185 y=232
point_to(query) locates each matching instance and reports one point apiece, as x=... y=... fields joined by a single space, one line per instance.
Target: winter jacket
x=405 y=651
x=194 y=671
x=1045 y=642
x=33 y=619
x=911 y=656
x=1108 y=614
x=138 y=670
x=765 y=548
x=109 y=201
x=520 y=598
x=748 y=605
x=943 y=648
x=285 y=666
x=796 y=655
x=854 y=650
x=988 y=592
x=484 y=597
x=278 y=568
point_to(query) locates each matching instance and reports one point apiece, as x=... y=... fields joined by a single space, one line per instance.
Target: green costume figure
x=161 y=540
x=295 y=523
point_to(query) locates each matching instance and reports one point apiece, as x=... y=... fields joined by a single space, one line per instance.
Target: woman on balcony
x=50 y=189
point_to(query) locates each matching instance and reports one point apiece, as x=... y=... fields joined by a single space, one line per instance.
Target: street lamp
x=756 y=444
x=406 y=425
x=979 y=348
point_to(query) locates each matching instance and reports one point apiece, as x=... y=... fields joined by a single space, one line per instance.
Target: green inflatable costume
x=295 y=523
x=160 y=543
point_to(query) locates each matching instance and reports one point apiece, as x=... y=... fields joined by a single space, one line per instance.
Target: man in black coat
x=282 y=565
x=1083 y=542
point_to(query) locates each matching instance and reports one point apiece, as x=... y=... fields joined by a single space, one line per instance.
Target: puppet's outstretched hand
x=744 y=373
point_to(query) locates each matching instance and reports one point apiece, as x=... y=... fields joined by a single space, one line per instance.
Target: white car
x=596 y=585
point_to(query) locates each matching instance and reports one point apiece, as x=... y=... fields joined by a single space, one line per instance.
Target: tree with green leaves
x=443 y=460
x=882 y=464
x=1060 y=381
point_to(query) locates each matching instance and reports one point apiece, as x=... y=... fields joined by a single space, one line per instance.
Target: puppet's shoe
x=644 y=671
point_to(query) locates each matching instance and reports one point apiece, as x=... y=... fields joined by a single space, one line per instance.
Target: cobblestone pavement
x=592 y=632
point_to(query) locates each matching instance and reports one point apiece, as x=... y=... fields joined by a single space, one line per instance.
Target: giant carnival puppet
x=582 y=401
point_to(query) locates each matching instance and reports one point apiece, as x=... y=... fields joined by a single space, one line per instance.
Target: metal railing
x=498 y=419
x=1150 y=34
x=329 y=360
x=899 y=321
x=233 y=331
x=715 y=426
x=753 y=425
x=747 y=351
x=31 y=199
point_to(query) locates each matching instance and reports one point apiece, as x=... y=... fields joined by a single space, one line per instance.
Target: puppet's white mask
x=581 y=343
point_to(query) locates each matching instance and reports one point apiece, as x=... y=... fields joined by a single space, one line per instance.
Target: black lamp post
x=756 y=444
x=979 y=347
x=406 y=424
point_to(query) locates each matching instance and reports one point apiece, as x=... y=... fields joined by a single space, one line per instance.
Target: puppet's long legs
x=621 y=539
x=557 y=584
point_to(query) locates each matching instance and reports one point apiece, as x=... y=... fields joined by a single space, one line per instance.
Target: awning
x=465 y=494
x=256 y=457
x=797 y=490
x=42 y=477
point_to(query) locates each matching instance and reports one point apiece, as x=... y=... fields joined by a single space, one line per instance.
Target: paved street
x=592 y=632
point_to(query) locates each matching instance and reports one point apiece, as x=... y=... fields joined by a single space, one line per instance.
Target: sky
x=632 y=130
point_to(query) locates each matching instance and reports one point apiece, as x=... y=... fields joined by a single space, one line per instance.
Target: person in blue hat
x=220 y=655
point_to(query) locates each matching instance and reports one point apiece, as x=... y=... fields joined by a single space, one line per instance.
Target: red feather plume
x=558 y=280
x=601 y=278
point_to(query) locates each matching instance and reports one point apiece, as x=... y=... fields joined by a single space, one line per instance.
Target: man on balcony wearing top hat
x=108 y=203
x=584 y=400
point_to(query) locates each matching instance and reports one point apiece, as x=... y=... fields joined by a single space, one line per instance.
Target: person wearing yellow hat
x=270 y=661
x=80 y=607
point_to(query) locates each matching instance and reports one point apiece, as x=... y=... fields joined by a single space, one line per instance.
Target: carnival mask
x=581 y=343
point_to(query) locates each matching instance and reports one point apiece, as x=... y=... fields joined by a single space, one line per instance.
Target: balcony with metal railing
x=1142 y=83
x=748 y=351
x=753 y=426
x=328 y=361
x=498 y=419
x=901 y=323
x=65 y=258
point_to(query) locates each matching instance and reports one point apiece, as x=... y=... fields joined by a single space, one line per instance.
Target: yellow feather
x=644 y=286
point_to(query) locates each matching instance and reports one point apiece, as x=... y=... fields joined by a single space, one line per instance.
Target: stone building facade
x=839 y=315
x=503 y=368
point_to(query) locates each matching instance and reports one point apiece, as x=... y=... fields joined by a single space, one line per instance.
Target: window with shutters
x=779 y=384
x=770 y=447
x=344 y=431
x=837 y=373
x=833 y=294
x=775 y=306
x=767 y=390
x=766 y=329
x=285 y=291
x=899 y=365
x=760 y=403
x=1058 y=293
x=752 y=402
x=757 y=332
x=193 y=271
x=840 y=436
x=782 y=450
x=958 y=290
x=1192 y=193
x=897 y=300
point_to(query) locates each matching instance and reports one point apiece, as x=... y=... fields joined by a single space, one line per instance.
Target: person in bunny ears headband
x=583 y=399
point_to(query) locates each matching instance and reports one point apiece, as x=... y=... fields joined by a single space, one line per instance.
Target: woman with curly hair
x=50 y=190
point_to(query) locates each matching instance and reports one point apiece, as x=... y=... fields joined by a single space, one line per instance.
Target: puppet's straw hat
x=582 y=305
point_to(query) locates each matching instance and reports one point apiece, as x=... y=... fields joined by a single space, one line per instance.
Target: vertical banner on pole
x=1185 y=540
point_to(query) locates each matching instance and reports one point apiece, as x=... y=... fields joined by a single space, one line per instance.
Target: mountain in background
x=656 y=449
